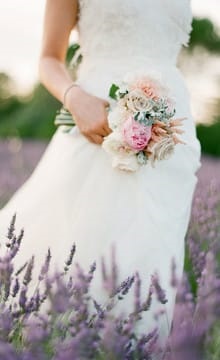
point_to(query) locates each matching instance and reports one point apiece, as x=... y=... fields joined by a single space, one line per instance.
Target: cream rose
x=136 y=101
x=163 y=149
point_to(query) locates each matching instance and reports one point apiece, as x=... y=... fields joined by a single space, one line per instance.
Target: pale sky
x=21 y=28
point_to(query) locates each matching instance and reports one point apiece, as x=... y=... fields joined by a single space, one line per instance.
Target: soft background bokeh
x=27 y=113
x=27 y=110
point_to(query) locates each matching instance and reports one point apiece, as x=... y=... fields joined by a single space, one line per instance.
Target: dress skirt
x=75 y=196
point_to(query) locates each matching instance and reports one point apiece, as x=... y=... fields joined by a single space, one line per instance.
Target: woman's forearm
x=54 y=76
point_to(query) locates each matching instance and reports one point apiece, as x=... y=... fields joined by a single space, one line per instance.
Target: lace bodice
x=121 y=29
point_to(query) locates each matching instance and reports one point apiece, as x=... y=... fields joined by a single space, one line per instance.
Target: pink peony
x=135 y=134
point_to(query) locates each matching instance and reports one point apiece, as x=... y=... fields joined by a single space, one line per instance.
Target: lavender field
x=17 y=160
x=69 y=331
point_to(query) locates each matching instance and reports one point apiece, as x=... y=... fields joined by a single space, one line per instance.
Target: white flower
x=121 y=154
x=123 y=88
x=114 y=144
x=125 y=162
x=116 y=117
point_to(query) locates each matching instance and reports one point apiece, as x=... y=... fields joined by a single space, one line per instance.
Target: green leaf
x=112 y=92
x=136 y=116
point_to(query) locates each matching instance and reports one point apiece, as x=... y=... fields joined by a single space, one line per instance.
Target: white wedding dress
x=74 y=194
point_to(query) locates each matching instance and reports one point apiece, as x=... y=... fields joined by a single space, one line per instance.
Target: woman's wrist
x=66 y=91
x=70 y=96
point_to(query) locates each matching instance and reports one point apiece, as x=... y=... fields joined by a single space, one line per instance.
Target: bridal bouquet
x=142 y=121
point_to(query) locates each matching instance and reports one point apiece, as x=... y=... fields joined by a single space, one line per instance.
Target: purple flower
x=69 y=261
x=45 y=267
x=161 y=295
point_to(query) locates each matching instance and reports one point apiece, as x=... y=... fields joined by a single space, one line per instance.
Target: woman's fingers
x=97 y=139
x=107 y=129
x=98 y=134
x=102 y=131
x=89 y=137
x=106 y=103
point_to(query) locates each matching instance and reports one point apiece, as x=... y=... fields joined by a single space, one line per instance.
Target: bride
x=74 y=194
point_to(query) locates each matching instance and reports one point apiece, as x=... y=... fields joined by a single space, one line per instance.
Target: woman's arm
x=89 y=111
x=59 y=20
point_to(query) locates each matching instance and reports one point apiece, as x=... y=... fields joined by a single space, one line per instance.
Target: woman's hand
x=89 y=113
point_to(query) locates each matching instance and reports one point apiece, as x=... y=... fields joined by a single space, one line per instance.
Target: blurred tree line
x=32 y=116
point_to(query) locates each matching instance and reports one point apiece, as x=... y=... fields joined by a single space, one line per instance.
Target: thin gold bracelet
x=66 y=92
